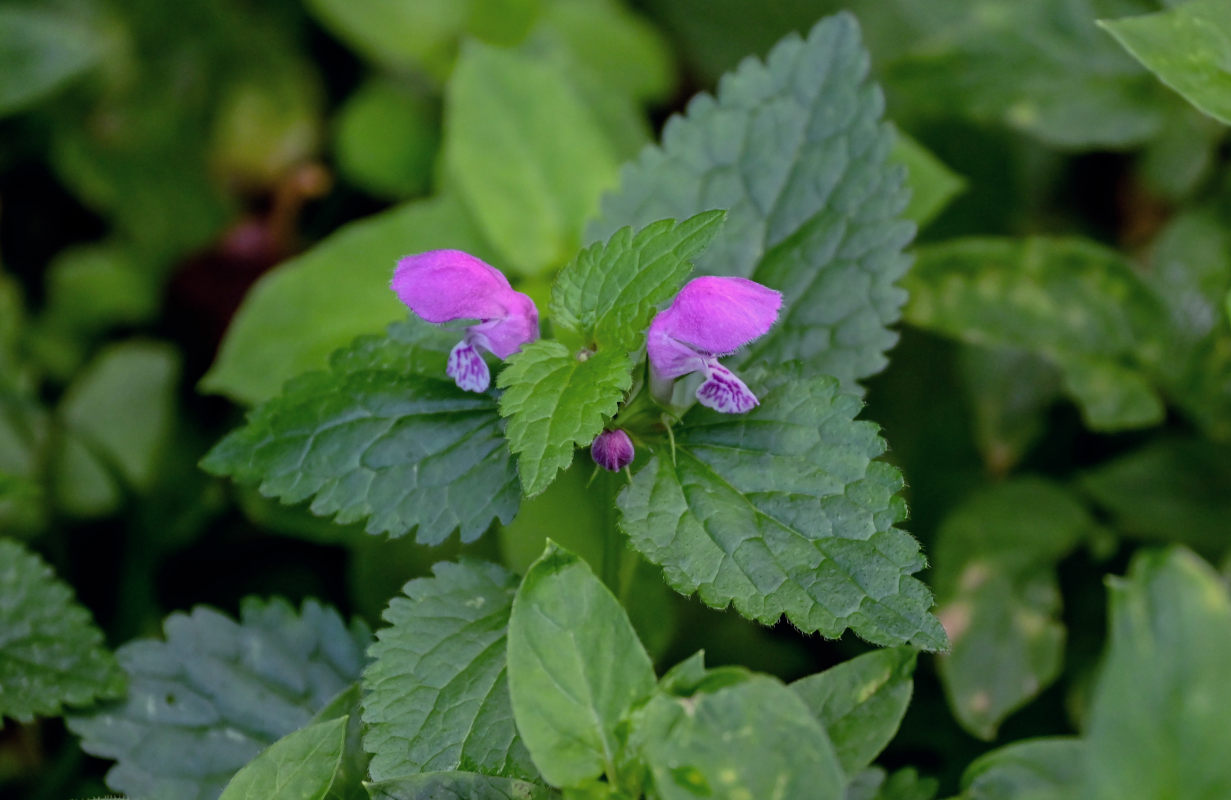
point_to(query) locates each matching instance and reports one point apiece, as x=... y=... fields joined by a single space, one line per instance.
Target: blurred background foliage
x=200 y=200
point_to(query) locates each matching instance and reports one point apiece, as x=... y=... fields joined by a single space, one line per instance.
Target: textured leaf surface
x=555 y=402
x=307 y=307
x=51 y=653
x=784 y=511
x=861 y=702
x=437 y=696
x=458 y=786
x=609 y=293
x=755 y=738
x=576 y=669
x=996 y=586
x=1188 y=47
x=299 y=766
x=383 y=435
x=1075 y=303
x=216 y=693
x=1035 y=769
x=795 y=151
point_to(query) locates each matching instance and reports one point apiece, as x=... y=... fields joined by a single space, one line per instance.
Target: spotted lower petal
x=467 y=368
x=723 y=391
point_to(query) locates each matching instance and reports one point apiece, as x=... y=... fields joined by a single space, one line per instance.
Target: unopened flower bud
x=612 y=450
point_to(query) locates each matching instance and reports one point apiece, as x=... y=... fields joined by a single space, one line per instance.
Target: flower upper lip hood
x=445 y=285
x=710 y=318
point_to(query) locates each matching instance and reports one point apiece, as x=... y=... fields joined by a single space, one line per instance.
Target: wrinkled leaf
x=458 y=786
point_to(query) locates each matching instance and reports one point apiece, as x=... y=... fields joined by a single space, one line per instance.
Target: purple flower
x=710 y=318
x=444 y=285
x=612 y=450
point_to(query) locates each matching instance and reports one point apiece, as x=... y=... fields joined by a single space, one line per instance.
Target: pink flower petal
x=715 y=316
x=505 y=336
x=444 y=285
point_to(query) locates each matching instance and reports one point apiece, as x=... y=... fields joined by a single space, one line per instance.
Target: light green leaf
x=526 y=154
x=751 y=739
x=41 y=50
x=576 y=670
x=306 y=308
x=300 y=766
x=1073 y=302
x=861 y=702
x=216 y=693
x=1033 y=769
x=386 y=138
x=437 y=695
x=458 y=786
x=999 y=599
x=51 y=653
x=932 y=184
x=1158 y=719
x=556 y=401
x=905 y=784
x=783 y=511
x=795 y=151
x=383 y=435
x=1188 y=47
x=609 y=293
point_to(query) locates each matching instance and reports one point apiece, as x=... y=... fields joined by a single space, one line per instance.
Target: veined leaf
x=384 y=434
x=437 y=695
x=458 y=786
x=300 y=766
x=216 y=693
x=783 y=511
x=556 y=401
x=794 y=149
x=51 y=653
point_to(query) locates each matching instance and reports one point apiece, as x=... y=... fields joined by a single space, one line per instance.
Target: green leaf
x=1010 y=392
x=383 y=435
x=386 y=138
x=556 y=401
x=576 y=670
x=1171 y=490
x=1158 y=724
x=905 y=784
x=300 y=766
x=41 y=50
x=996 y=586
x=609 y=293
x=1188 y=47
x=535 y=177
x=861 y=702
x=752 y=739
x=932 y=184
x=784 y=511
x=306 y=308
x=1071 y=301
x=795 y=151
x=216 y=693
x=458 y=786
x=51 y=653
x=1033 y=769
x=437 y=695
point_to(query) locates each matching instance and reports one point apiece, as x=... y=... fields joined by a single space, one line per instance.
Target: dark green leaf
x=795 y=151
x=437 y=695
x=609 y=293
x=784 y=511
x=932 y=184
x=51 y=653
x=458 y=786
x=300 y=766
x=555 y=401
x=1010 y=392
x=383 y=435
x=42 y=49
x=216 y=693
x=1034 y=769
x=576 y=670
x=905 y=784
x=861 y=702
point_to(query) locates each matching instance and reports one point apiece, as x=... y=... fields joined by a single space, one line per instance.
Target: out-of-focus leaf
x=459 y=786
x=1176 y=161
x=320 y=301
x=1075 y=303
x=51 y=653
x=1009 y=391
x=385 y=139
x=303 y=765
x=905 y=784
x=216 y=693
x=861 y=702
x=932 y=184
x=41 y=50
x=1171 y=490
x=1034 y=769
x=998 y=595
x=1158 y=727
x=795 y=151
x=267 y=122
x=383 y=435
x=526 y=154
x=1188 y=47
x=94 y=287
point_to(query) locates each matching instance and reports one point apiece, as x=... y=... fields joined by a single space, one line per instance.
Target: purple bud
x=712 y=317
x=612 y=450
x=446 y=285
